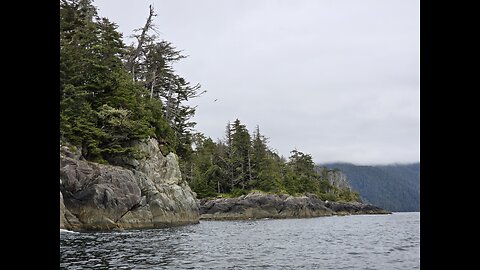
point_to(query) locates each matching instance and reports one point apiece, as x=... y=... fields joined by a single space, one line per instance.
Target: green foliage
x=241 y=149
x=242 y=163
x=104 y=107
x=202 y=188
x=269 y=177
x=150 y=62
x=327 y=196
x=236 y=192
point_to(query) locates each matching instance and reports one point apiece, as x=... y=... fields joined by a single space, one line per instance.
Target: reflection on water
x=348 y=242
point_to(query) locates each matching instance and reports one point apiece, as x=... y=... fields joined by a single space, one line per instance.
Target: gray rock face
x=260 y=205
x=335 y=177
x=67 y=219
x=338 y=179
x=103 y=197
x=63 y=220
x=70 y=151
x=162 y=170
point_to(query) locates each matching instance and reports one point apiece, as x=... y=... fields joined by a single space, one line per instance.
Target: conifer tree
x=241 y=149
x=101 y=109
x=150 y=62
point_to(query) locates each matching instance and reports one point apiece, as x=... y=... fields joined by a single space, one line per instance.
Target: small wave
x=67 y=231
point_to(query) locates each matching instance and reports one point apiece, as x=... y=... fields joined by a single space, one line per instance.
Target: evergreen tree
x=266 y=166
x=207 y=174
x=241 y=163
x=101 y=109
x=241 y=149
x=259 y=153
x=151 y=61
x=227 y=154
x=300 y=176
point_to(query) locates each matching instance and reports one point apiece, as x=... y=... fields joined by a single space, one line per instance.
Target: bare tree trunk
x=141 y=40
x=231 y=168
x=249 y=168
x=169 y=104
x=153 y=83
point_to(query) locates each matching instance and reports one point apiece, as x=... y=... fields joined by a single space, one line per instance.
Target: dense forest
x=242 y=162
x=392 y=187
x=113 y=94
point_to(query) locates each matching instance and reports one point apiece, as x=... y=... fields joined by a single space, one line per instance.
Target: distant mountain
x=393 y=187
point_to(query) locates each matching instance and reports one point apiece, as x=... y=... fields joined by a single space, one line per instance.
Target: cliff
x=336 y=178
x=144 y=193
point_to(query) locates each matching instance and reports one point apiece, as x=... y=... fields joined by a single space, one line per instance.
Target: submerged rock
x=149 y=194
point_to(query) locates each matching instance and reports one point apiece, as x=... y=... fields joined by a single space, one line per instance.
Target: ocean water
x=337 y=242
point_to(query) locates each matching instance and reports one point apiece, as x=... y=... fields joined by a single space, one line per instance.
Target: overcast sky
x=337 y=79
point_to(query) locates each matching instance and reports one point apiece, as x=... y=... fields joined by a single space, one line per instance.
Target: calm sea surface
x=348 y=242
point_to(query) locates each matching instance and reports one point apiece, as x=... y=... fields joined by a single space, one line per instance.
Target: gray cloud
x=337 y=79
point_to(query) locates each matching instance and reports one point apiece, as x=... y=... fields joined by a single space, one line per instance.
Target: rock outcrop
x=355 y=208
x=149 y=194
x=260 y=205
x=336 y=178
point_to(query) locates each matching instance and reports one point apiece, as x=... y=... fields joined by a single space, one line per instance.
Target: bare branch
x=141 y=39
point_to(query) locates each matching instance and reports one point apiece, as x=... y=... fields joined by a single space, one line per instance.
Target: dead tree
x=141 y=40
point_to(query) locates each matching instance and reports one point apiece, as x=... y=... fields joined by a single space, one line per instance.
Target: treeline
x=112 y=94
x=242 y=162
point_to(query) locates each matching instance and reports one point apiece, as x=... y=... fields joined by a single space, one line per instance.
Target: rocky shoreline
x=145 y=193
x=260 y=205
x=150 y=193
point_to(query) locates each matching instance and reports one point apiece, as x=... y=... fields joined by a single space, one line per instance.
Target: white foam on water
x=67 y=231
